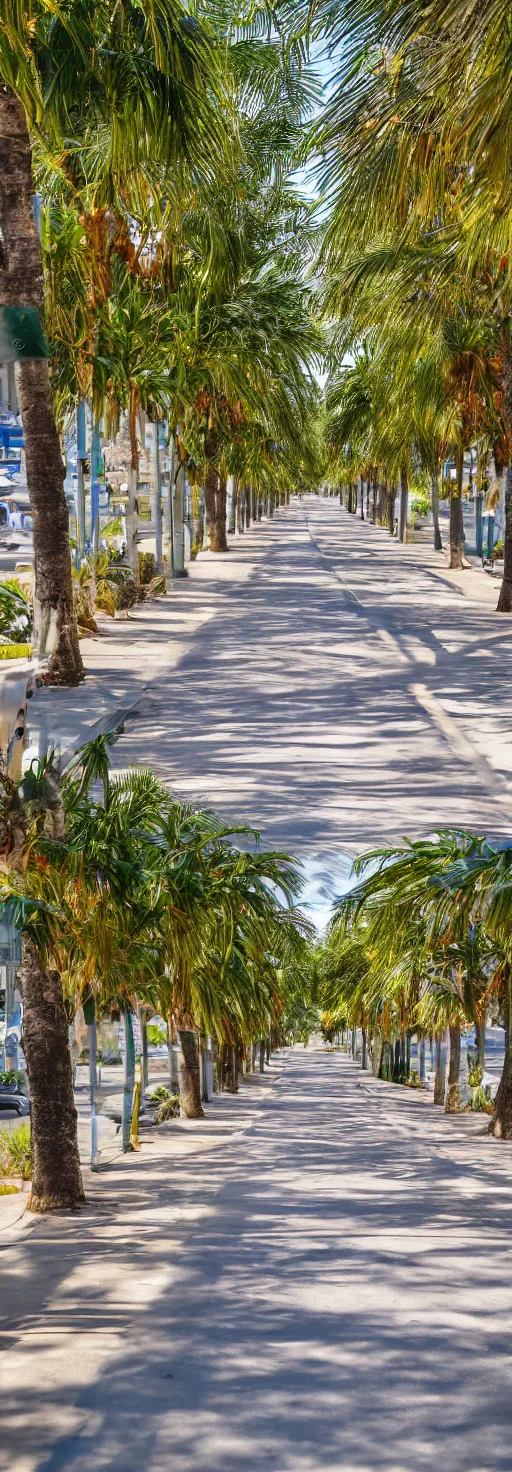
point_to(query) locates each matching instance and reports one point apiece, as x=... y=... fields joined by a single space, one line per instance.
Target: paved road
x=344 y=693
x=331 y=1290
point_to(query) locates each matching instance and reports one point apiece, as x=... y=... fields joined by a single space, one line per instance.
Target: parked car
x=12 y=1100
x=15 y=512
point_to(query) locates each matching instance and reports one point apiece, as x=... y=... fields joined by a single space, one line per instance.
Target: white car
x=15 y=512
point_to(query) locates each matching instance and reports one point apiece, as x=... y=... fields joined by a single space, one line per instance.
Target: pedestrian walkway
x=329 y=1291
x=341 y=694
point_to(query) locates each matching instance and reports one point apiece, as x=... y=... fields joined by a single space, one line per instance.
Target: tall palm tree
x=29 y=812
x=411 y=157
x=146 y=87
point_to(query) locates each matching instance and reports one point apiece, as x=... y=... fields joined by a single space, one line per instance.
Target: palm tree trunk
x=390 y=509
x=434 y=499
x=231 y=505
x=128 y=1081
x=480 y=1040
x=215 y=508
x=132 y=552
x=363 y=1051
x=505 y=599
x=452 y=1103
x=157 y=495
x=190 y=1084
x=56 y=1176
x=144 y=1056
x=439 y=1079
x=404 y=499
x=456 y=517
x=501 y=1122
x=233 y=1058
x=221 y=544
x=504 y=604
x=21 y=285
x=240 y=518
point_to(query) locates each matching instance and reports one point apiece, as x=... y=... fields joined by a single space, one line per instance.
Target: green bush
x=498 y=549
x=9 y=1190
x=12 y=1076
x=156 y=1035
x=420 y=506
x=16 y=1152
x=16 y=619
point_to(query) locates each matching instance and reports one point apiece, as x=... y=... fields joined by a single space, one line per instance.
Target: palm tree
x=425 y=948
x=147 y=87
x=411 y=159
x=28 y=812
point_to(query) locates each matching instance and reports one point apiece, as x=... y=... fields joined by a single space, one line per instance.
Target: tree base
x=452 y=1102
x=65 y=667
x=501 y=1123
x=191 y=1113
x=504 y=604
x=54 y=1202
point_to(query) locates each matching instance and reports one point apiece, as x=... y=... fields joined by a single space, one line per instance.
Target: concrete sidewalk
x=329 y=1290
x=340 y=696
x=127 y=658
x=125 y=662
x=321 y=683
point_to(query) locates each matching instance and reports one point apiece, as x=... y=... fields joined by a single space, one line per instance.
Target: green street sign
x=21 y=335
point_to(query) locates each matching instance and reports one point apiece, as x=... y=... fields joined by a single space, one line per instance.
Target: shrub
x=15 y=651
x=16 y=620
x=498 y=549
x=9 y=1190
x=127 y=595
x=156 y=1035
x=420 y=506
x=169 y=1110
x=157 y=587
x=16 y=1152
x=147 y=567
x=161 y=1095
x=82 y=597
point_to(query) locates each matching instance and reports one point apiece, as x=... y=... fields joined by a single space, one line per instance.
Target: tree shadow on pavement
x=330 y=1291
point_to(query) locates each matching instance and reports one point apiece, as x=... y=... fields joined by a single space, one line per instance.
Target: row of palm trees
x=174 y=260
x=422 y=944
x=415 y=261
x=130 y=899
x=167 y=256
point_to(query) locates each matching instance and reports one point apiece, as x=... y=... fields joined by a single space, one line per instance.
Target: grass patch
x=16 y=1152
x=15 y=651
x=9 y=1190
